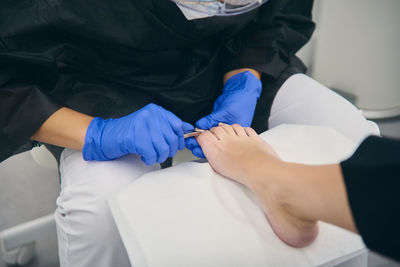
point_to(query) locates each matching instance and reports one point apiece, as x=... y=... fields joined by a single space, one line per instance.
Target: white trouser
x=87 y=234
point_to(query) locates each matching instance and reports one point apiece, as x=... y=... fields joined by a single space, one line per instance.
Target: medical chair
x=17 y=244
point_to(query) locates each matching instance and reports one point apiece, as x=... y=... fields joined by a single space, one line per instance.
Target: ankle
x=291 y=193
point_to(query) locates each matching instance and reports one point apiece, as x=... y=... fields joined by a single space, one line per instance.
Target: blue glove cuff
x=92 y=148
x=245 y=82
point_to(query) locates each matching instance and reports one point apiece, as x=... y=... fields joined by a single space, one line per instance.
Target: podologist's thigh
x=302 y=100
x=87 y=234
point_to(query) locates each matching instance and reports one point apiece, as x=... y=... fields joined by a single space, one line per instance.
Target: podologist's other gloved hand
x=151 y=132
x=236 y=104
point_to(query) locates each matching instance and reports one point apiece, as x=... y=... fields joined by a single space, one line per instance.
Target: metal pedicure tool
x=196 y=132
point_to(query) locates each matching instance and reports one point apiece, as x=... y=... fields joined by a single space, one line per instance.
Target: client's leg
x=302 y=100
x=87 y=234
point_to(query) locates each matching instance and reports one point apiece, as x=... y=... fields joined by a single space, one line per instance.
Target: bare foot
x=234 y=151
x=240 y=154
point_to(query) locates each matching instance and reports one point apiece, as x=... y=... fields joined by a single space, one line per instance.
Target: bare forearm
x=65 y=128
x=234 y=72
x=308 y=192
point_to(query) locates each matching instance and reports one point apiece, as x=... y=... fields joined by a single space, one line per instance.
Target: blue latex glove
x=151 y=132
x=236 y=104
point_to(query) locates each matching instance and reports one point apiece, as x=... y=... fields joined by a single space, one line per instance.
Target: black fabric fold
x=372 y=178
x=272 y=39
x=111 y=57
x=25 y=110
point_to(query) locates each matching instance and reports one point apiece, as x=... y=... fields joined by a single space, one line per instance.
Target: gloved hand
x=151 y=132
x=236 y=104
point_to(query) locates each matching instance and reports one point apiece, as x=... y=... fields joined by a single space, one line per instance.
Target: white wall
x=356 y=49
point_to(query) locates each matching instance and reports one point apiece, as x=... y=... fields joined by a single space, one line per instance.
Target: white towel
x=188 y=215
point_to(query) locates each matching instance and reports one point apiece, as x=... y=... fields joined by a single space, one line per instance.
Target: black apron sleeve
x=269 y=43
x=24 y=108
x=372 y=178
x=27 y=73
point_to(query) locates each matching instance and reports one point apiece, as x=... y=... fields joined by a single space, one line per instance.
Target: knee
x=82 y=210
x=373 y=128
x=86 y=220
x=302 y=100
x=368 y=128
x=86 y=231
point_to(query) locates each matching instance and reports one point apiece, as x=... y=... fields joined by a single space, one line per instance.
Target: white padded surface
x=188 y=215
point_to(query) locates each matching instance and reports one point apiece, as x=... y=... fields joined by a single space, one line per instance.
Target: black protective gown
x=372 y=178
x=110 y=57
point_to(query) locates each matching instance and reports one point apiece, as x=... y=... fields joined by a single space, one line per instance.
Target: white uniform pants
x=87 y=234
